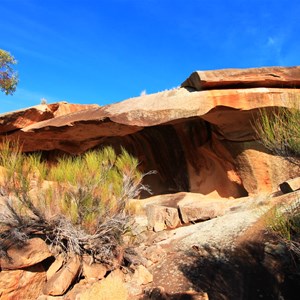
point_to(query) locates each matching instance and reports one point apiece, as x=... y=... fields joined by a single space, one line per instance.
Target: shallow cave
x=186 y=155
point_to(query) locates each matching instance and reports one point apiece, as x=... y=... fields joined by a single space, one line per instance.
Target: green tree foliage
x=8 y=78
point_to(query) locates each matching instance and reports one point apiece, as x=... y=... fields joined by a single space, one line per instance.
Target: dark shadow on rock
x=249 y=272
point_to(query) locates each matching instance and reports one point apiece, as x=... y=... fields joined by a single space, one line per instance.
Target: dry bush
x=82 y=208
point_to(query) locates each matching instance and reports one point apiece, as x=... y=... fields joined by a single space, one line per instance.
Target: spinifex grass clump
x=279 y=131
x=285 y=222
x=76 y=205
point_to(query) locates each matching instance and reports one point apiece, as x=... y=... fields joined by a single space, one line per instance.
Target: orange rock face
x=198 y=137
x=25 y=117
x=25 y=284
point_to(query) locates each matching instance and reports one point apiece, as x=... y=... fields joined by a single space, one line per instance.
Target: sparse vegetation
x=285 y=222
x=77 y=205
x=279 y=131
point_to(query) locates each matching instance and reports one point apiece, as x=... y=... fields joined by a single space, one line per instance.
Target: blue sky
x=105 y=51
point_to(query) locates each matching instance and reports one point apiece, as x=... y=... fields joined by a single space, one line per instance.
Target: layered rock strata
x=198 y=137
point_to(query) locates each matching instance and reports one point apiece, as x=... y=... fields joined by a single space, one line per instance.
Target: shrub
x=81 y=209
x=279 y=131
x=285 y=222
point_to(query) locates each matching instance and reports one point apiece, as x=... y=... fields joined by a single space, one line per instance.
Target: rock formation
x=212 y=174
x=198 y=137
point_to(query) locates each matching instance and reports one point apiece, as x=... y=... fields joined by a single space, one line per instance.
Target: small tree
x=8 y=78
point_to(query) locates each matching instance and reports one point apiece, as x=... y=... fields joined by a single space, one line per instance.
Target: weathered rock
x=201 y=141
x=55 y=266
x=136 y=283
x=194 y=207
x=25 y=284
x=260 y=171
x=290 y=185
x=62 y=280
x=46 y=297
x=154 y=253
x=30 y=254
x=162 y=217
x=211 y=252
x=25 y=117
x=142 y=276
x=92 y=271
x=110 y=288
x=239 y=78
x=133 y=115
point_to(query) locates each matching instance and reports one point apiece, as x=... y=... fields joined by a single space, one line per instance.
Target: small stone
x=142 y=276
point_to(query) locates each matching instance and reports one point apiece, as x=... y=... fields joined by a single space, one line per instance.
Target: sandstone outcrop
x=198 y=137
x=212 y=174
x=25 y=117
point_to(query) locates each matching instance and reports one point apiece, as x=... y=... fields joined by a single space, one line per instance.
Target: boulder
x=194 y=208
x=92 y=271
x=55 y=266
x=136 y=283
x=142 y=276
x=59 y=283
x=33 y=252
x=25 y=284
x=162 y=217
x=259 y=170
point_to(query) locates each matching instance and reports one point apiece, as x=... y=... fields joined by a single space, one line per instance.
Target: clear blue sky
x=89 y=51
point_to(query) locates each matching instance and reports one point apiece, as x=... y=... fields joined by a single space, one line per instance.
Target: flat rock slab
x=238 y=78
